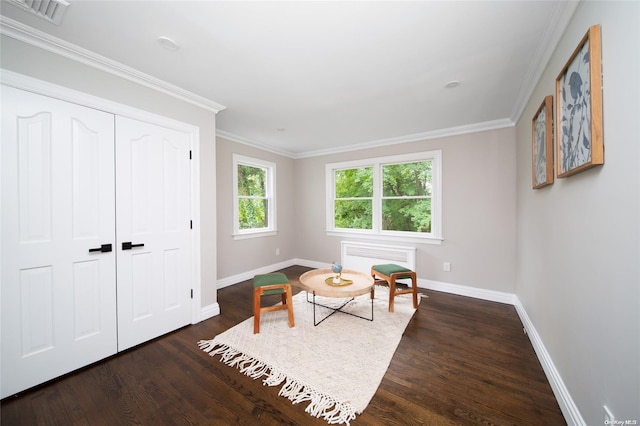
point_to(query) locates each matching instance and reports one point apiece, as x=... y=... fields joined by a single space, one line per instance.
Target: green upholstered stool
x=269 y=284
x=389 y=273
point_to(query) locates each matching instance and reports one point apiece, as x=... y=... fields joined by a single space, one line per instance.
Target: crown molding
x=253 y=143
x=37 y=38
x=560 y=16
x=415 y=137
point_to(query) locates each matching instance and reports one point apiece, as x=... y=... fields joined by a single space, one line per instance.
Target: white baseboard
x=311 y=263
x=234 y=279
x=209 y=311
x=567 y=405
x=463 y=290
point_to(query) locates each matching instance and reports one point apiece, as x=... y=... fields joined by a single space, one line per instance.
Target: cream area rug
x=336 y=366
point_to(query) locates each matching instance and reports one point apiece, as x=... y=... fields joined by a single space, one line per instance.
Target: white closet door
x=58 y=297
x=153 y=216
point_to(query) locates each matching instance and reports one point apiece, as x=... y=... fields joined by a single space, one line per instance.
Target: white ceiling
x=302 y=78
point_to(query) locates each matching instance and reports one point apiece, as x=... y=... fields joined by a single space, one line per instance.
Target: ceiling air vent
x=51 y=10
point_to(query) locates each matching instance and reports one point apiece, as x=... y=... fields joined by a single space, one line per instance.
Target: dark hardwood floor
x=461 y=361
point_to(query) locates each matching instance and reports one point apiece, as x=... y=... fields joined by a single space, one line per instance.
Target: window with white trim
x=254 y=205
x=397 y=197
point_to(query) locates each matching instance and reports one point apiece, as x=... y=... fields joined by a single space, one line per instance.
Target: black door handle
x=105 y=248
x=129 y=246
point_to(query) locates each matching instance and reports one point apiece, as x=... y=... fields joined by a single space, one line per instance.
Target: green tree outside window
x=406 y=197
x=252 y=197
x=353 y=207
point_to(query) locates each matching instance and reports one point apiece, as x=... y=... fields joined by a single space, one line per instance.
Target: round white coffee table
x=319 y=282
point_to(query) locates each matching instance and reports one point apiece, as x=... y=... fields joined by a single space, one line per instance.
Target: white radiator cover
x=362 y=256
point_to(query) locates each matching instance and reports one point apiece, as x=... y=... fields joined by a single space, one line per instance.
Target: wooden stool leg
x=392 y=292
x=289 y=303
x=256 y=310
x=414 y=284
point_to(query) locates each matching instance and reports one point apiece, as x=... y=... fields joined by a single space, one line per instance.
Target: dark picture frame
x=542 y=144
x=579 y=141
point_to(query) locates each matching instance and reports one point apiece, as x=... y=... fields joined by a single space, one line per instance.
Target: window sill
x=258 y=234
x=386 y=237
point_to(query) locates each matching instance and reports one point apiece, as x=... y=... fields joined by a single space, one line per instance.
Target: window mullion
x=377 y=198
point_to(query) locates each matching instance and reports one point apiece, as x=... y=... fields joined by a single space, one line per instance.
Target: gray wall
x=478 y=186
x=240 y=256
x=479 y=202
x=28 y=60
x=578 y=240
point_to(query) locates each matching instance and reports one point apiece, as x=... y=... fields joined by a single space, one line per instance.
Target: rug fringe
x=320 y=405
x=206 y=345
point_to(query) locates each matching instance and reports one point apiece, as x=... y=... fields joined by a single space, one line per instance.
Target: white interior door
x=58 y=296
x=153 y=216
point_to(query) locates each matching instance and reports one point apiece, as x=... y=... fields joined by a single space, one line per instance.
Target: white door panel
x=58 y=299
x=61 y=171
x=153 y=215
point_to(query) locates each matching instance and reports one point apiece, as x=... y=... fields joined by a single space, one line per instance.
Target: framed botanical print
x=579 y=144
x=542 y=144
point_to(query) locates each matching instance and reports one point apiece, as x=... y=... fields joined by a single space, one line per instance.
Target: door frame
x=21 y=81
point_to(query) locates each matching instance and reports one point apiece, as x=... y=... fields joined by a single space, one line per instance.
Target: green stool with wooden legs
x=389 y=273
x=268 y=284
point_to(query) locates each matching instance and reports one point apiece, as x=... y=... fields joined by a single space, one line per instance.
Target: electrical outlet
x=446 y=266
x=609 y=418
x=277 y=252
